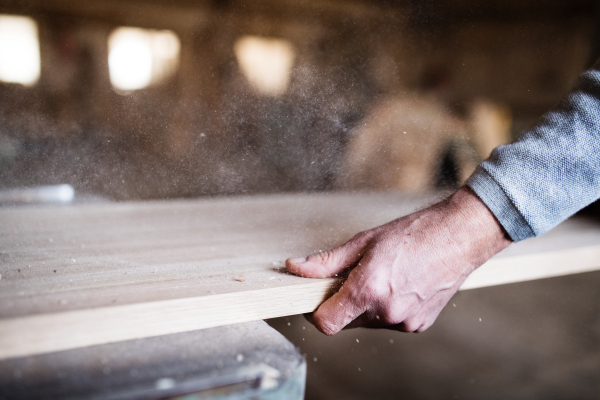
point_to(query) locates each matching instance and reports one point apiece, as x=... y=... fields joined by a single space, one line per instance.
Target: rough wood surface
x=92 y=274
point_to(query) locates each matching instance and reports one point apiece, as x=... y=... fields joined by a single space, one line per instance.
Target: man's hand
x=407 y=270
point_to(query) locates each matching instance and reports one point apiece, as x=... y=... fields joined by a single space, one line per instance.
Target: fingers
x=365 y=320
x=329 y=263
x=376 y=318
x=352 y=307
x=405 y=314
x=341 y=308
x=423 y=320
x=337 y=312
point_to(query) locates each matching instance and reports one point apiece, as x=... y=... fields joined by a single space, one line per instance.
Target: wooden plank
x=93 y=274
x=502 y=270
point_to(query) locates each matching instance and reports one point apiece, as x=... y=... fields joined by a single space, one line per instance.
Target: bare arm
x=406 y=271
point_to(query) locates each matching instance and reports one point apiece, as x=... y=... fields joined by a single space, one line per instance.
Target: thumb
x=342 y=308
x=329 y=263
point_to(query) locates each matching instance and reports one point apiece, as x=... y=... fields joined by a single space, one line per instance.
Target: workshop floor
x=535 y=340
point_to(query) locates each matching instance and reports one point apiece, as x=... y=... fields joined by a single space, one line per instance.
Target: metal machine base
x=243 y=361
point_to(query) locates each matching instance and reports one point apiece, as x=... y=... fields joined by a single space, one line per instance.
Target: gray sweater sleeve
x=551 y=171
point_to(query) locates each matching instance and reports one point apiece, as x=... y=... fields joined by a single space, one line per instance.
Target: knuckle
x=380 y=288
x=375 y=288
x=371 y=294
x=385 y=319
x=387 y=316
x=411 y=325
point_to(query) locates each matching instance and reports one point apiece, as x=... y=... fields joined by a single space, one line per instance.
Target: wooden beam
x=93 y=274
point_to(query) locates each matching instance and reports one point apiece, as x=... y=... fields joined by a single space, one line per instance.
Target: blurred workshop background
x=155 y=99
x=149 y=99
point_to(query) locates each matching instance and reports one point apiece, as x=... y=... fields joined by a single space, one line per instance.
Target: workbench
x=108 y=273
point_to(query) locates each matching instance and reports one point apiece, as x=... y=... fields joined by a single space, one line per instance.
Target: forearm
x=552 y=171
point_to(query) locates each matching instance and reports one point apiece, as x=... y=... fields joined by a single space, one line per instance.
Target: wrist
x=476 y=227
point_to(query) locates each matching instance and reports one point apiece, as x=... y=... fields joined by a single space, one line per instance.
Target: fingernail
x=298 y=260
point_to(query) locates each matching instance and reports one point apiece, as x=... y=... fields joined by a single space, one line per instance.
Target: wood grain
x=92 y=274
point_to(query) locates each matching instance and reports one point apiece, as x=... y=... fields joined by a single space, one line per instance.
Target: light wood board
x=83 y=275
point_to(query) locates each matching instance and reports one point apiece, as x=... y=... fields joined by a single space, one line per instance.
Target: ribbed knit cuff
x=494 y=197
